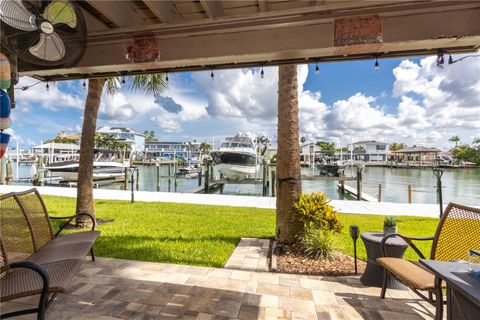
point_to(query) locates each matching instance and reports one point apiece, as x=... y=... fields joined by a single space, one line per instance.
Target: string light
x=377 y=65
x=47 y=86
x=84 y=84
x=262 y=74
x=212 y=76
x=123 y=79
x=166 y=76
x=440 y=58
x=317 y=69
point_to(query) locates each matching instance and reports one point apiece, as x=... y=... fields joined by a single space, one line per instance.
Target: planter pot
x=387 y=229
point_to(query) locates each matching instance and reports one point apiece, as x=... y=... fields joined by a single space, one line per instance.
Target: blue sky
x=407 y=100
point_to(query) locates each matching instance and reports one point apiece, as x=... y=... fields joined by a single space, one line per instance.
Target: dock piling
x=359 y=182
x=200 y=176
x=137 y=185
x=409 y=193
x=158 y=177
x=379 y=193
x=125 y=181
x=274 y=182
x=207 y=176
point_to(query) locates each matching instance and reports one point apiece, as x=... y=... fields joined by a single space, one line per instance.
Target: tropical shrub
x=318 y=243
x=315 y=212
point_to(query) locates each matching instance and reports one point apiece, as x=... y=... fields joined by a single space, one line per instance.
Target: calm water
x=459 y=185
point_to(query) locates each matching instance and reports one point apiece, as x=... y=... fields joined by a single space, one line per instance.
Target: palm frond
x=112 y=84
x=148 y=83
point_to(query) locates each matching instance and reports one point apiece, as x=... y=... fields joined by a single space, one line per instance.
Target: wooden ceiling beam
x=213 y=8
x=165 y=11
x=121 y=14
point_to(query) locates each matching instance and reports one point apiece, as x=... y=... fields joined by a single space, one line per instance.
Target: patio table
x=373 y=275
x=463 y=290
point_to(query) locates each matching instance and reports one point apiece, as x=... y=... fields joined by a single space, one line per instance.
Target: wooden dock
x=351 y=190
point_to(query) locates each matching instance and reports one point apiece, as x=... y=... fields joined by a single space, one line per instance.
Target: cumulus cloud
x=167 y=123
x=168 y=104
x=54 y=99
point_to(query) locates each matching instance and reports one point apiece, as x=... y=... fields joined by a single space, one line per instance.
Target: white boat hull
x=236 y=172
x=101 y=171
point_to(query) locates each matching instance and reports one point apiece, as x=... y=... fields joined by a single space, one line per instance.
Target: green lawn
x=202 y=235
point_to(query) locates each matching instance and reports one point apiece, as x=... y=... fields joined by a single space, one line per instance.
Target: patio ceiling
x=207 y=34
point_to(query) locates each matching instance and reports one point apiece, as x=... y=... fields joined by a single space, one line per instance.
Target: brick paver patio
x=251 y=254
x=123 y=289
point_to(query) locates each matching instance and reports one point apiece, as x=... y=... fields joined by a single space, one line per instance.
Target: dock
x=353 y=192
x=342 y=206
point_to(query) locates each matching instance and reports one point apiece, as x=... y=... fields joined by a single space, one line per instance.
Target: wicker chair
x=457 y=232
x=34 y=259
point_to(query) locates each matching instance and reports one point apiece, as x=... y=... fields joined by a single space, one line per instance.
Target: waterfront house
x=415 y=156
x=172 y=149
x=55 y=152
x=136 y=140
x=369 y=151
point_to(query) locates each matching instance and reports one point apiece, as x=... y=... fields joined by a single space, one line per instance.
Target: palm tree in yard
x=455 y=139
x=154 y=83
x=288 y=155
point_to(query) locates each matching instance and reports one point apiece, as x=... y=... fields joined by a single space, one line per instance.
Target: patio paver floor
x=124 y=289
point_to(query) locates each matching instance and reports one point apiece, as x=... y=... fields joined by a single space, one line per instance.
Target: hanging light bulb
x=166 y=76
x=84 y=84
x=450 y=60
x=123 y=79
x=317 y=69
x=212 y=76
x=262 y=74
x=377 y=65
x=47 y=86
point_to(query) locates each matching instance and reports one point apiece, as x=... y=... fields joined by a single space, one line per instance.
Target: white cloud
x=54 y=99
x=167 y=123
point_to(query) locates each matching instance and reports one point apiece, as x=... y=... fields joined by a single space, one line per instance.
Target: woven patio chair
x=34 y=259
x=457 y=232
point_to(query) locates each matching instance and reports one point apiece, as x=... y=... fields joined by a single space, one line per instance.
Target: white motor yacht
x=237 y=158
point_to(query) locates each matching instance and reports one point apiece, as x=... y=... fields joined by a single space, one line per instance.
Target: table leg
x=438 y=299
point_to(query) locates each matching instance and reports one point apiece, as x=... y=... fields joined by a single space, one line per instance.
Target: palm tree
x=288 y=155
x=154 y=83
x=455 y=139
x=476 y=142
x=397 y=146
x=204 y=147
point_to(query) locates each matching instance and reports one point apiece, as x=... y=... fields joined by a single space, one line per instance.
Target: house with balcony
x=369 y=151
x=172 y=149
x=135 y=139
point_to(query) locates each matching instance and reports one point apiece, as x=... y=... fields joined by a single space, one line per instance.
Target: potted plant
x=390 y=224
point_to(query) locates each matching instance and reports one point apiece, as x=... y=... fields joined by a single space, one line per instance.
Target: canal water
x=459 y=185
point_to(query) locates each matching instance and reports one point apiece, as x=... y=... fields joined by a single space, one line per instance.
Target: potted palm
x=390 y=224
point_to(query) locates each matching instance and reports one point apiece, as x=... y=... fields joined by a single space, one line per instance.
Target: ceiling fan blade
x=14 y=13
x=59 y=11
x=50 y=47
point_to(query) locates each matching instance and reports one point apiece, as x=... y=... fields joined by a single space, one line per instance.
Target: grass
x=205 y=235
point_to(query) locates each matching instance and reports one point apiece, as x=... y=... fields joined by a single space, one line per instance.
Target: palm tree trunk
x=85 y=169
x=288 y=155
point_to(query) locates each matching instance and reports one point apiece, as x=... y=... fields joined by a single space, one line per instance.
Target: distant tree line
x=465 y=152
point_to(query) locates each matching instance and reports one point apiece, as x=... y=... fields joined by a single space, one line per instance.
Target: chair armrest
x=70 y=218
x=407 y=239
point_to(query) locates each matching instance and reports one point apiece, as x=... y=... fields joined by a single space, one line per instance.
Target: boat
x=102 y=170
x=237 y=158
x=330 y=168
x=187 y=170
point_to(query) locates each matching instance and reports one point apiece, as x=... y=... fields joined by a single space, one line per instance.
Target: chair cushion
x=410 y=273
x=21 y=282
